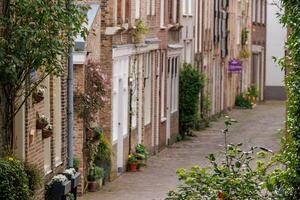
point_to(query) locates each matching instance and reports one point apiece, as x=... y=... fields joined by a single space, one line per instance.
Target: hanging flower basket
x=42 y=122
x=37 y=97
x=47 y=132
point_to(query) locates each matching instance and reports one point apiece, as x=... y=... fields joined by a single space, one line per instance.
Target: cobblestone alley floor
x=255 y=127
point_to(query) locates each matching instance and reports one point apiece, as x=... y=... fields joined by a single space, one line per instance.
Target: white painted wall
x=276 y=37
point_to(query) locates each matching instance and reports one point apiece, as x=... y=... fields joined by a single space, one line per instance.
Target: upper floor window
x=259 y=11
x=173 y=10
x=121 y=11
x=137 y=9
x=150 y=7
x=187 y=7
x=162 y=13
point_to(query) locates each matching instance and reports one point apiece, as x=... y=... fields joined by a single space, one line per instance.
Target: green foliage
x=244 y=36
x=88 y=103
x=34 y=177
x=104 y=150
x=76 y=163
x=252 y=91
x=140 y=29
x=290 y=18
x=190 y=84
x=13 y=180
x=236 y=177
x=132 y=159
x=243 y=102
x=95 y=173
x=141 y=152
x=34 y=38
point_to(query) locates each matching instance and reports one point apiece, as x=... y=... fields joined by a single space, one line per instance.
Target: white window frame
x=174 y=68
x=137 y=9
x=147 y=88
x=163 y=87
x=134 y=87
x=187 y=7
x=259 y=11
x=47 y=141
x=263 y=17
x=174 y=11
x=162 y=13
x=254 y=10
x=123 y=10
x=150 y=7
x=57 y=119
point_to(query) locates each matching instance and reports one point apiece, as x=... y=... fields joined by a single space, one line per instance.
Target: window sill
x=174 y=111
x=163 y=119
x=48 y=172
x=58 y=163
x=163 y=27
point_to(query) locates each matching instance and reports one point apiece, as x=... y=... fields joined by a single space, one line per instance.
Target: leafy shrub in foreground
x=13 y=180
x=236 y=177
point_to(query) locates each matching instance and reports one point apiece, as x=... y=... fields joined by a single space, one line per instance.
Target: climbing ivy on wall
x=290 y=18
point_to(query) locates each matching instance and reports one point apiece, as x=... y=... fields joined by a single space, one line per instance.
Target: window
x=173 y=11
x=47 y=141
x=187 y=7
x=238 y=31
x=263 y=15
x=254 y=11
x=150 y=7
x=147 y=88
x=134 y=91
x=258 y=15
x=163 y=85
x=57 y=120
x=162 y=13
x=173 y=72
x=121 y=11
x=137 y=9
x=120 y=97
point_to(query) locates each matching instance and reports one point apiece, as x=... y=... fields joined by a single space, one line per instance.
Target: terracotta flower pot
x=47 y=133
x=93 y=186
x=132 y=167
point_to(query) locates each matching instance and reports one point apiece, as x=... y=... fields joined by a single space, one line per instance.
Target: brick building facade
x=258 y=64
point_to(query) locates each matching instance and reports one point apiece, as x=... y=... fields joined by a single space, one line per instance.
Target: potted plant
x=38 y=94
x=47 y=132
x=72 y=175
x=253 y=94
x=58 y=186
x=132 y=163
x=42 y=122
x=142 y=155
x=76 y=164
x=95 y=178
x=139 y=31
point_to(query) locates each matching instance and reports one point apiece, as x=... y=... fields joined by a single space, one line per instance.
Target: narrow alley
x=259 y=126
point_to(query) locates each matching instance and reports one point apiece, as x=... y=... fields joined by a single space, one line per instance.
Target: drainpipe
x=70 y=108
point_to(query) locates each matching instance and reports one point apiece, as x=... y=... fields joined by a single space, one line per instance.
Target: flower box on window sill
x=59 y=189
x=75 y=180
